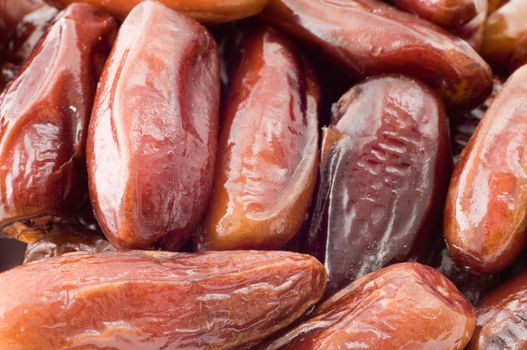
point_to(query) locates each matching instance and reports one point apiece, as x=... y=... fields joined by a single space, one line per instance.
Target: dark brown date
x=368 y=37
x=155 y=300
x=405 y=306
x=24 y=39
x=486 y=211
x=383 y=176
x=11 y=253
x=44 y=114
x=502 y=316
x=268 y=149
x=12 y=12
x=153 y=132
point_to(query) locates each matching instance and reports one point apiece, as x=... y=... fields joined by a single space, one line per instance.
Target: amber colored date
x=496 y=4
x=44 y=114
x=501 y=317
x=268 y=149
x=449 y=14
x=368 y=37
x=153 y=132
x=505 y=38
x=383 y=176
x=24 y=39
x=486 y=211
x=404 y=306
x=205 y=11
x=155 y=300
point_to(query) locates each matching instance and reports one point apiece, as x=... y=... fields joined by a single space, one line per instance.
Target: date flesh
x=391 y=41
x=486 y=211
x=155 y=300
x=404 y=306
x=42 y=128
x=153 y=132
x=383 y=177
x=268 y=149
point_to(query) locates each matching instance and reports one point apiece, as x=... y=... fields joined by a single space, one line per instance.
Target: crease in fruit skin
x=153 y=131
x=42 y=133
x=485 y=218
x=219 y=300
x=375 y=205
x=397 y=43
x=268 y=148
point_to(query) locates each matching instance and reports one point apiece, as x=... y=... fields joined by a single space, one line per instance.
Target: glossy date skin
x=383 y=176
x=501 y=317
x=404 y=306
x=155 y=300
x=12 y=12
x=153 y=132
x=42 y=128
x=205 y=11
x=24 y=39
x=268 y=150
x=473 y=31
x=391 y=41
x=486 y=210
x=505 y=37
x=449 y=14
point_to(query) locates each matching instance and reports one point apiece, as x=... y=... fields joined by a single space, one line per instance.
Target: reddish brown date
x=268 y=150
x=473 y=31
x=44 y=114
x=449 y=14
x=12 y=12
x=501 y=317
x=486 y=211
x=23 y=41
x=153 y=131
x=368 y=37
x=155 y=300
x=383 y=176
x=405 y=306
x=207 y=11
x=505 y=38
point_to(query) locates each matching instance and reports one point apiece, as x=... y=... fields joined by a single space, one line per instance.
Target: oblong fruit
x=383 y=176
x=405 y=306
x=153 y=133
x=268 y=150
x=486 y=210
x=155 y=300
x=44 y=114
x=390 y=41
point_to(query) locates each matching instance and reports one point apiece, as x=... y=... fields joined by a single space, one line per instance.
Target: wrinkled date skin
x=391 y=41
x=449 y=14
x=155 y=300
x=501 y=317
x=268 y=153
x=486 y=211
x=12 y=12
x=505 y=37
x=473 y=31
x=405 y=306
x=63 y=238
x=383 y=177
x=205 y=11
x=44 y=115
x=23 y=41
x=153 y=132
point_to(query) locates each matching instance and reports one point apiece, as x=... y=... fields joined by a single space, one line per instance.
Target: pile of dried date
x=263 y=174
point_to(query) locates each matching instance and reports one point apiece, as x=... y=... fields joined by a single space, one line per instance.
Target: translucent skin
x=268 y=150
x=501 y=317
x=153 y=132
x=205 y=11
x=404 y=306
x=155 y=300
x=383 y=178
x=24 y=39
x=368 y=37
x=44 y=114
x=12 y=12
x=486 y=212
x=505 y=37
x=449 y=14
